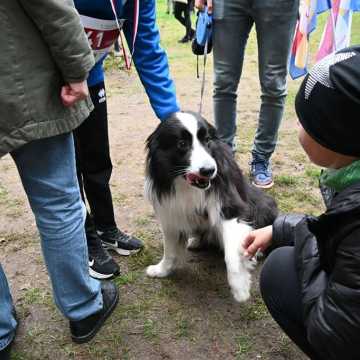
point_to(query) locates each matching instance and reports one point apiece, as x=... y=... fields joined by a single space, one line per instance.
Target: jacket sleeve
x=60 y=27
x=150 y=59
x=332 y=315
x=283 y=229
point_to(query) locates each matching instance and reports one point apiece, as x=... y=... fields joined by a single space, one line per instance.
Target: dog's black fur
x=168 y=149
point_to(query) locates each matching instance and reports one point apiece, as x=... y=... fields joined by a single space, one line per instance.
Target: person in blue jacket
x=102 y=20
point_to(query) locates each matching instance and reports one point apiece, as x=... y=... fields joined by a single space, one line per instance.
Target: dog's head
x=180 y=147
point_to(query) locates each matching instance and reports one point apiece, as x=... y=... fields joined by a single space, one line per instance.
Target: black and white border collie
x=199 y=194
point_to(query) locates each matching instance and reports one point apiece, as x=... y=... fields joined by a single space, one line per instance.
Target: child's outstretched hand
x=259 y=239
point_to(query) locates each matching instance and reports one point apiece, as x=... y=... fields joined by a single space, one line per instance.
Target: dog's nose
x=207 y=171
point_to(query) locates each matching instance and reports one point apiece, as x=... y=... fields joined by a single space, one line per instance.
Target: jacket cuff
x=283 y=229
x=278 y=231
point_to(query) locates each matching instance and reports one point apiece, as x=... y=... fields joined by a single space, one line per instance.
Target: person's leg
x=182 y=14
x=189 y=31
x=280 y=290
x=93 y=160
x=94 y=172
x=91 y=145
x=229 y=40
x=179 y=9
x=275 y=28
x=8 y=322
x=47 y=171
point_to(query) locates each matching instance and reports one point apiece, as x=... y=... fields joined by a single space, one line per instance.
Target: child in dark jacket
x=310 y=282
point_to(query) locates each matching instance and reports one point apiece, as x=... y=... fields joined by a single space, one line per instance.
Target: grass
x=149 y=329
x=244 y=344
x=183 y=327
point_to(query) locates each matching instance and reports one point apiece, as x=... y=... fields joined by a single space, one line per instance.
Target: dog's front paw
x=157 y=271
x=240 y=295
x=240 y=286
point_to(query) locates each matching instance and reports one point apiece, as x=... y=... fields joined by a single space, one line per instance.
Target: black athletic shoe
x=84 y=330
x=101 y=264
x=5 y=353
x=184 y=40
x=122 y=243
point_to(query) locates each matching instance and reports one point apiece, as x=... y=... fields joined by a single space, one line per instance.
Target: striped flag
x=337 y=30
x=308 y=11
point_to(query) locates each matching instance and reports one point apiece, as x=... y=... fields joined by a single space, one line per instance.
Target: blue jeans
x=275 y=23
x=48 y=174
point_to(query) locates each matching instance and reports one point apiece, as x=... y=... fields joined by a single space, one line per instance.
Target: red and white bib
x=101 y=34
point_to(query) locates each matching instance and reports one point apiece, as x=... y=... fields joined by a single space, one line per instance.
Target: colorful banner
x=308 y=11
x=336 y=35
x=337 y=30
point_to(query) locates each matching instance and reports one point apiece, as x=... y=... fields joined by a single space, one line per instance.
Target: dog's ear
x=151 y=141
x=212 y=131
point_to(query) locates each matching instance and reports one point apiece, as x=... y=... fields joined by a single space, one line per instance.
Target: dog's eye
x=182 y=144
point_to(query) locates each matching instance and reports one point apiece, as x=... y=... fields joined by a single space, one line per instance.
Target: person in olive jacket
x=311 y=281
x=45 y=60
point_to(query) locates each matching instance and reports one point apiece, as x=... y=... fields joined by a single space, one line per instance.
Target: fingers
x=67 y=98
x=259 y=239
x=72 y=93
x=210 y=6
x=248 y=240
x=252 y=249
x=250 y=245
x=199 y=4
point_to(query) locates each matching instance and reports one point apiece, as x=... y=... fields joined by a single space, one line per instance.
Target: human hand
x=74 y=92
x=259 y=239
x=200 y=4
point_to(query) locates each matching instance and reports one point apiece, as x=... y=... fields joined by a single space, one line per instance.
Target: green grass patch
x=127 y=279
x=244 y=346
x=286 y=180
x=312 y=172
x=3 y=194
x=149 y=329
x=253 y=310
x=36 y=296
x=148 y=256
x=182 y=327
x=143 y=221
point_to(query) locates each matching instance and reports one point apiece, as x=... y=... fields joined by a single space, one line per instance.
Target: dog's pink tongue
x=191 y=177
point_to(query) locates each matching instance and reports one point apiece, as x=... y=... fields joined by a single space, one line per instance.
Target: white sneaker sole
x=99 y=276
x=268 y=186
x=120 y=251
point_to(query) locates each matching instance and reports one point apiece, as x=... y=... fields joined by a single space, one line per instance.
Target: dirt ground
x=192 y=314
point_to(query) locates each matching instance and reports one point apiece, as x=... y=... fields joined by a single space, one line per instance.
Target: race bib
x=101 y=34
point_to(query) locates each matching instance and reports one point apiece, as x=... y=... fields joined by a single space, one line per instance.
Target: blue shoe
x=261 y=174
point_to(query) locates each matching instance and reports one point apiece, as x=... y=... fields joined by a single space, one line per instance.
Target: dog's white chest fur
x=188 y=208
x=186 y=212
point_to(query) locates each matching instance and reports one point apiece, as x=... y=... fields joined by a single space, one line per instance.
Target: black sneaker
x=184 y=40
x=5 y=353
x=101 y=264
x=84 y=330
x=122 y=243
